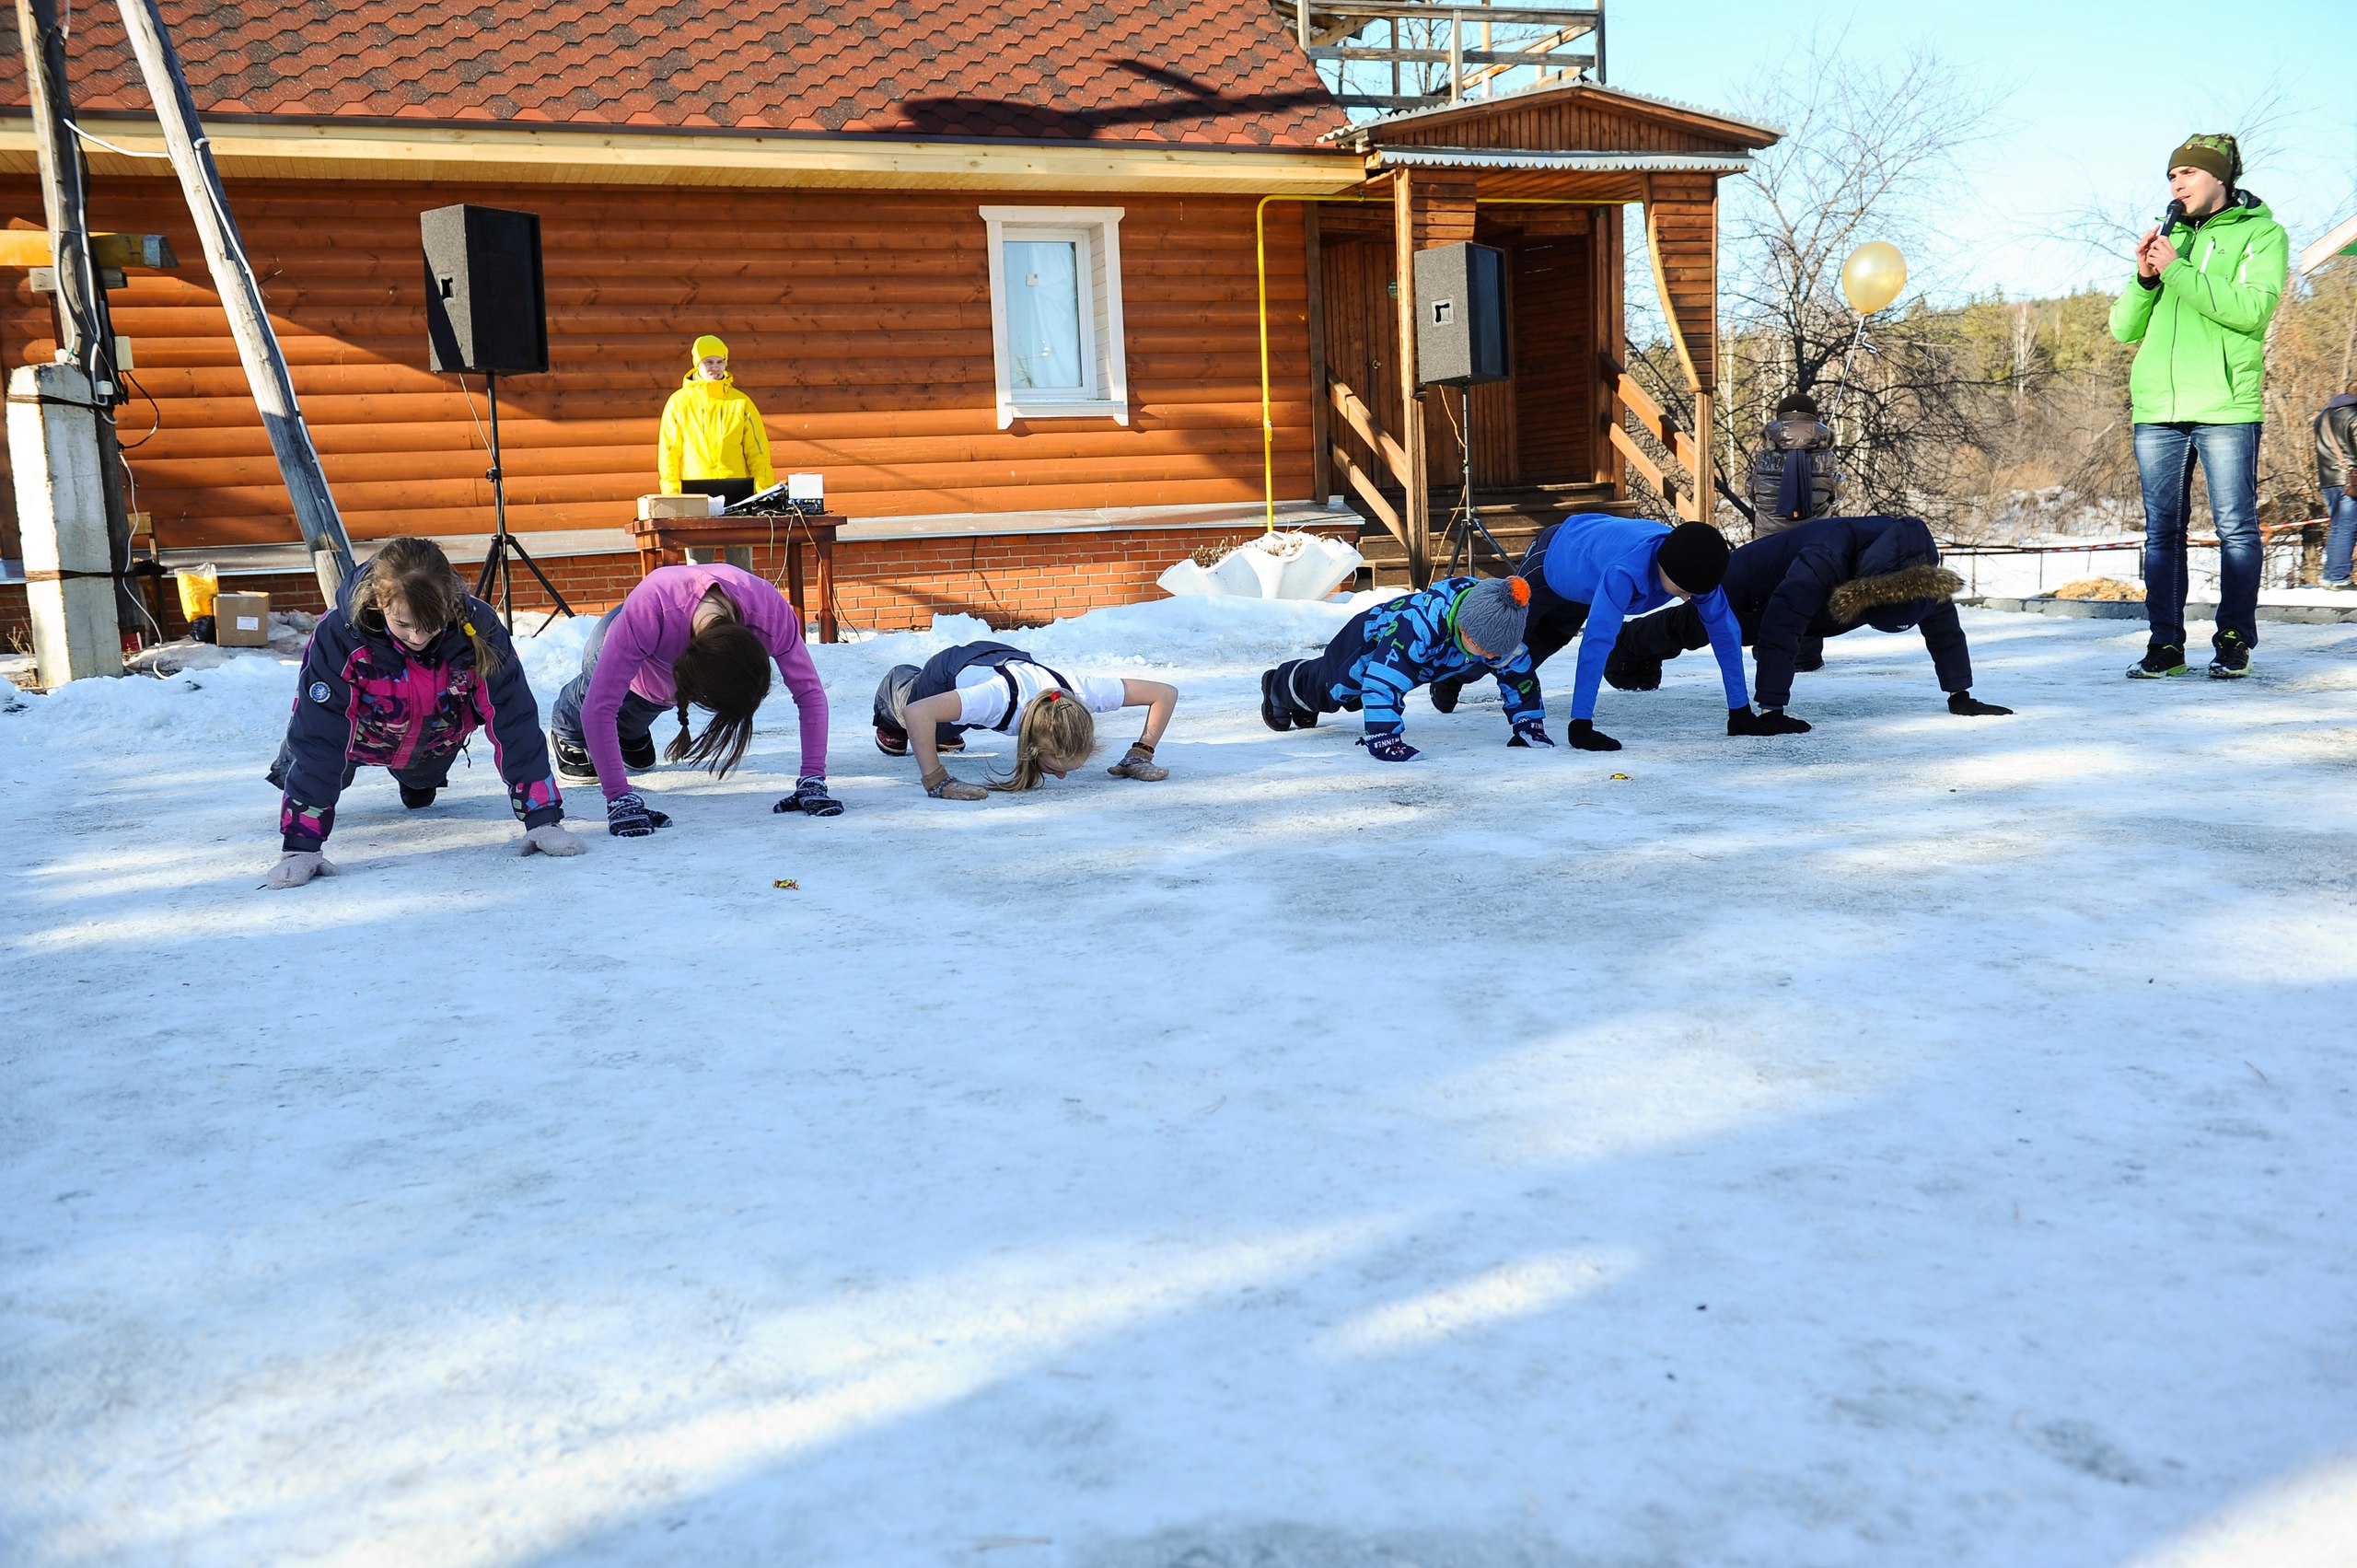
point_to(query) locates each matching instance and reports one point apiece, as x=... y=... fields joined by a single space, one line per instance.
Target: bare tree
x=1869 y=152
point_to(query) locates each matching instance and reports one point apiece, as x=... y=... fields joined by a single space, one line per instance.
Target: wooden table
x=664 y=542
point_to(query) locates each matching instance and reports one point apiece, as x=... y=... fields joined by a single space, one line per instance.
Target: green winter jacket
x=2204 y=328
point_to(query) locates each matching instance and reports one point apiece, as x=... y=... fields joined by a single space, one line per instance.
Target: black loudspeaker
x=1461 y=315
x=484 y=312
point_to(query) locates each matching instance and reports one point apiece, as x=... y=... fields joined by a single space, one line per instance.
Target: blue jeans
x=2229 y=454
x=636 y=720
x=2340 y=510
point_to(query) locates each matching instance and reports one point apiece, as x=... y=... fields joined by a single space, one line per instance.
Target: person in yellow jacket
x=712 y=443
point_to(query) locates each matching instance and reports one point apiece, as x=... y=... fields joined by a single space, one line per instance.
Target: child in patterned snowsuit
x=1458 y=629
x=398 y=676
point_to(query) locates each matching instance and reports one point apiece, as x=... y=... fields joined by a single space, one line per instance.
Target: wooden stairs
x=1513 y=516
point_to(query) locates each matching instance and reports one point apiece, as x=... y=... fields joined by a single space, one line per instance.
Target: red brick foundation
x=887 y=584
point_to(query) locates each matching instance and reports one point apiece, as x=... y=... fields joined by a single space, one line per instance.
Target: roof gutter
x=313 y=149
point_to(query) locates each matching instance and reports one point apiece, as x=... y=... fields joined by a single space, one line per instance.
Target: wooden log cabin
x=833 y=188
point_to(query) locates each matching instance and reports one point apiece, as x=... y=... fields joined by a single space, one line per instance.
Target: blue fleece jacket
x=1606 y=564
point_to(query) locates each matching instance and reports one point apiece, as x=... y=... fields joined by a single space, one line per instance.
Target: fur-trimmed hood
x=1908 y=593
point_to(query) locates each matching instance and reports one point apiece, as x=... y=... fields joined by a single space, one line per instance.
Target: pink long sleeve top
x=652 y=630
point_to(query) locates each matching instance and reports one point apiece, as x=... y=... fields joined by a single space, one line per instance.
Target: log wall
x=859 y=321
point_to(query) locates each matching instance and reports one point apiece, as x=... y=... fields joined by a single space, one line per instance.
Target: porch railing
x=1476 y=41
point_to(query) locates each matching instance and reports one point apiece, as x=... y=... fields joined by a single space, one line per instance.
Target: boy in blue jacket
x=1591 y=572
x=1458 y=629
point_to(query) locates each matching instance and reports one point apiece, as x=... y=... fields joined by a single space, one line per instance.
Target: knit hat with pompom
x=1491 y=615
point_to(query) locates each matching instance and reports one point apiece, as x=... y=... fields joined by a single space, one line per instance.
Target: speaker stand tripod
x=495 y=566
x=1465 y=520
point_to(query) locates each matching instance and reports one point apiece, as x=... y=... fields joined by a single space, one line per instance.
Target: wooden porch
x=1546 y=177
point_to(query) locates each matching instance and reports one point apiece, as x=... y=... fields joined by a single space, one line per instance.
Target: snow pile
x=1282 y=565
x=1922 y=1141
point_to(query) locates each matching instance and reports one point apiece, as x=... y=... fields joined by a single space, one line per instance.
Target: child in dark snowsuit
x=1791 y=590
x=1458 y=630
x=1000 y=688
x=396 y=676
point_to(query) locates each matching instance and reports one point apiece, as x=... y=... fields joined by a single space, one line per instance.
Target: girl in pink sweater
x=701 y=635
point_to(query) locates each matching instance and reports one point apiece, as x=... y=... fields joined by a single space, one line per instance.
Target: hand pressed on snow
x=1389 y=749
x=943 y=785
x=1531 y=732
x=628 y=817
x=810 y=799
x=1582 y=734
x=1768 y=721
x=297 y=866
x=550 y=838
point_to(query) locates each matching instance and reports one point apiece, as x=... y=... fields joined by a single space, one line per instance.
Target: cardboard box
x=241 y=621
x=652 y=507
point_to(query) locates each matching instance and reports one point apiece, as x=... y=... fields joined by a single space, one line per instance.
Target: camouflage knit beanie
x=2215 y=154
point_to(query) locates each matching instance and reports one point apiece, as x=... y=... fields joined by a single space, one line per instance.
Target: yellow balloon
x=1873 y=277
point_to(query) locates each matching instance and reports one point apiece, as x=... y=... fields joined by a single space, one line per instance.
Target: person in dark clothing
x=1793 y=590
x=2336 y=429
x=398 y=674
x=1793 y=478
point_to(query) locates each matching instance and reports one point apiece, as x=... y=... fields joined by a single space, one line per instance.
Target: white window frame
x=1097 y=232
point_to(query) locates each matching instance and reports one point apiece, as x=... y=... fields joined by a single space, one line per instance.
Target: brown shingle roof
x=1199 y=72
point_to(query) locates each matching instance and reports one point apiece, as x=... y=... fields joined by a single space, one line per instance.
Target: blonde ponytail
x=1057 y=731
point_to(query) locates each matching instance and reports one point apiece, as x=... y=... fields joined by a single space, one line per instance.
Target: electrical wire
x=156 y=408
x=102 y=142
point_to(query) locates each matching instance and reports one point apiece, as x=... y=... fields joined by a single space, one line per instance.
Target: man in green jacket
x=2206 y=284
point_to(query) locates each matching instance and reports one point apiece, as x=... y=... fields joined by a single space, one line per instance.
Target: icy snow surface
x=1924 y=1141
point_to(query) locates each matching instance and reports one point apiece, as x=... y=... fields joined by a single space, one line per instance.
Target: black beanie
x=1694 y=556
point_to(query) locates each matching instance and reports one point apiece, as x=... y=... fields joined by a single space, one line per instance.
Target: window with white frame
x=1056 y=313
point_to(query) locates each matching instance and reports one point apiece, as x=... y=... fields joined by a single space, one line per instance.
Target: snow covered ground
x=1926 y=1141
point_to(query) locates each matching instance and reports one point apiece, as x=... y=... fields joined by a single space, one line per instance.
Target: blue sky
x=2097 y=92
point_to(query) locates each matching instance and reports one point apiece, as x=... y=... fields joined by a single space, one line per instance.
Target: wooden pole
x=85 y=326
x=1418 y=512
x=233 y=278
x=1322 y=467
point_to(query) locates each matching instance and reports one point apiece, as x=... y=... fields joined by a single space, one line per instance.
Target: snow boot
x=1276 y=715
x=638 y=755
x=2232 y=659
x=1628 y=671
x=573 y=764
x=417 y=798
x=1445 y=693
x=2161 y=660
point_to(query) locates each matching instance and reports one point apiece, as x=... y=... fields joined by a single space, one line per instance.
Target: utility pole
x=233 y=279
x=85 y=326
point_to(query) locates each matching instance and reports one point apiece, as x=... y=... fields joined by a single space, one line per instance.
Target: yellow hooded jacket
x=712 y=431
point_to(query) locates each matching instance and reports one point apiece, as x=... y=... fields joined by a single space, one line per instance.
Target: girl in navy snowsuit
x=398 y=674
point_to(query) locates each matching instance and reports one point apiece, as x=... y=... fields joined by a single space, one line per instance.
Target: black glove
x=1583 y=734
x=1964 y=703
x=1768 y=721
x=1389 y=749
x=628 y=817
x=810 y=796
x=1531 y=732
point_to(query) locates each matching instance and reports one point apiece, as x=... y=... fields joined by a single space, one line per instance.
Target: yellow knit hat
x=707 y=346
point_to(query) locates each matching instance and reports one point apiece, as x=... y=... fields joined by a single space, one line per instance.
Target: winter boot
x=573 y=764
x=416 y=797
x=2161 y=660
x=1277 y=716
x=2233 y=659
x=1445 y=693
x=638 y=755
x=1631 y=671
